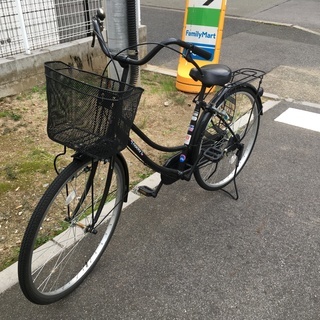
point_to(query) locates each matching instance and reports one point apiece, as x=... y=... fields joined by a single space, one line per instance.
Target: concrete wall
x=22 y=72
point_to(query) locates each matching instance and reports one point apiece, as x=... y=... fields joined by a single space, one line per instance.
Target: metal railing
x=26 y=25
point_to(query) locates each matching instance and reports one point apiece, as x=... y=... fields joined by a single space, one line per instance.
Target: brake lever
x=188 y=57
x=100 y=16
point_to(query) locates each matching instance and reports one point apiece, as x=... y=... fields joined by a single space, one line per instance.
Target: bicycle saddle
x=212 y=74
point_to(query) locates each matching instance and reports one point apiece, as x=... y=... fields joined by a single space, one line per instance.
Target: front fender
x=126 y=174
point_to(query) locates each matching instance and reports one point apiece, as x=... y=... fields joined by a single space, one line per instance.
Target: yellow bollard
x=203 y=26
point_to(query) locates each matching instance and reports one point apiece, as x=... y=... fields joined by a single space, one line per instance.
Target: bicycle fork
x=91 y=228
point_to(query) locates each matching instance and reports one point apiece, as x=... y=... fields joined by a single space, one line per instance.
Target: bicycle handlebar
x=97 y=27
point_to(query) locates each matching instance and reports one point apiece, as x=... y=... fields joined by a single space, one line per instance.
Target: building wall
x=22 y=72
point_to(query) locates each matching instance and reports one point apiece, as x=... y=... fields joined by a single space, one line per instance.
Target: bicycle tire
x=57 y=253
x=243 y=108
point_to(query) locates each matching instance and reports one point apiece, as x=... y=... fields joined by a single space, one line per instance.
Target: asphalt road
x=192 y=254
x=302 y=13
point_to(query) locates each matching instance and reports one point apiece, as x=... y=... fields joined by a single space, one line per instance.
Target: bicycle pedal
x=213 y=154
x=149 y=192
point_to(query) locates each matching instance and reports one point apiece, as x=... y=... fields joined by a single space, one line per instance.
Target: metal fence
x=26 y=25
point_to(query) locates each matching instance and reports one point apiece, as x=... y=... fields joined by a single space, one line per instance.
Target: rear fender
x=258 y=93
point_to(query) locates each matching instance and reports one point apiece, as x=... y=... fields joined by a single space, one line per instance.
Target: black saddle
x=212 y=74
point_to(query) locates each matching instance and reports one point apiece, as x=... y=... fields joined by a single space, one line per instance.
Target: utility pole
x=117 y=29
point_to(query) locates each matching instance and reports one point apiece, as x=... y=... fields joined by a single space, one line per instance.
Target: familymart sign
x=203 y=26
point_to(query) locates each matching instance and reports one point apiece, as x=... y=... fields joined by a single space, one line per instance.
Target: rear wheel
x=222 y=155
x=61 y=244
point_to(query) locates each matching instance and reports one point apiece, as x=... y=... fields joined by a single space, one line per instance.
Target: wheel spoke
x=241 y=127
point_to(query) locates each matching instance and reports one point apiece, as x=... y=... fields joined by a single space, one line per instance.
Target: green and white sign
x=202 y=24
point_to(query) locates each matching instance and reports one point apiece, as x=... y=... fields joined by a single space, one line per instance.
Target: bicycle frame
x=170 y=172
x=186 y=152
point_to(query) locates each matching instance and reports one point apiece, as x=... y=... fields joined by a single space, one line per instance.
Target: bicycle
x=93 y=114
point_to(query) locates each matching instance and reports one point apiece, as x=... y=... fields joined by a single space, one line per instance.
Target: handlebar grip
x=97 y=32
x=193 y=48
x=201 y=52
x=100 y=14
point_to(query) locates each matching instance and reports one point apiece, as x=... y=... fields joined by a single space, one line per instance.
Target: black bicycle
x=93 y=114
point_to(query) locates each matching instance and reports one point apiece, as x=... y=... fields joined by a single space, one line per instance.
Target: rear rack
x=245 y=75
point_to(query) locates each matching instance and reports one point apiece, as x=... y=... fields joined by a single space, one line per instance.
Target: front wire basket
x=87 y=112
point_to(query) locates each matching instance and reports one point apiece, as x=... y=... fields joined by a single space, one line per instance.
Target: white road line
x=300 y=118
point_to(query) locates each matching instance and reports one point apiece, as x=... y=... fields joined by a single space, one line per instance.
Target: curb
x=278 y=98
x=271 y=96
x=273 y=23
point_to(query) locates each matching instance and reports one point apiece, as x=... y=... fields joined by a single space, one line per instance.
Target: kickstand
x=236 y=196
x=239 y=156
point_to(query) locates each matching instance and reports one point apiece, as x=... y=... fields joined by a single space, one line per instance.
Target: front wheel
x=222 y=153
x=61 y=244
